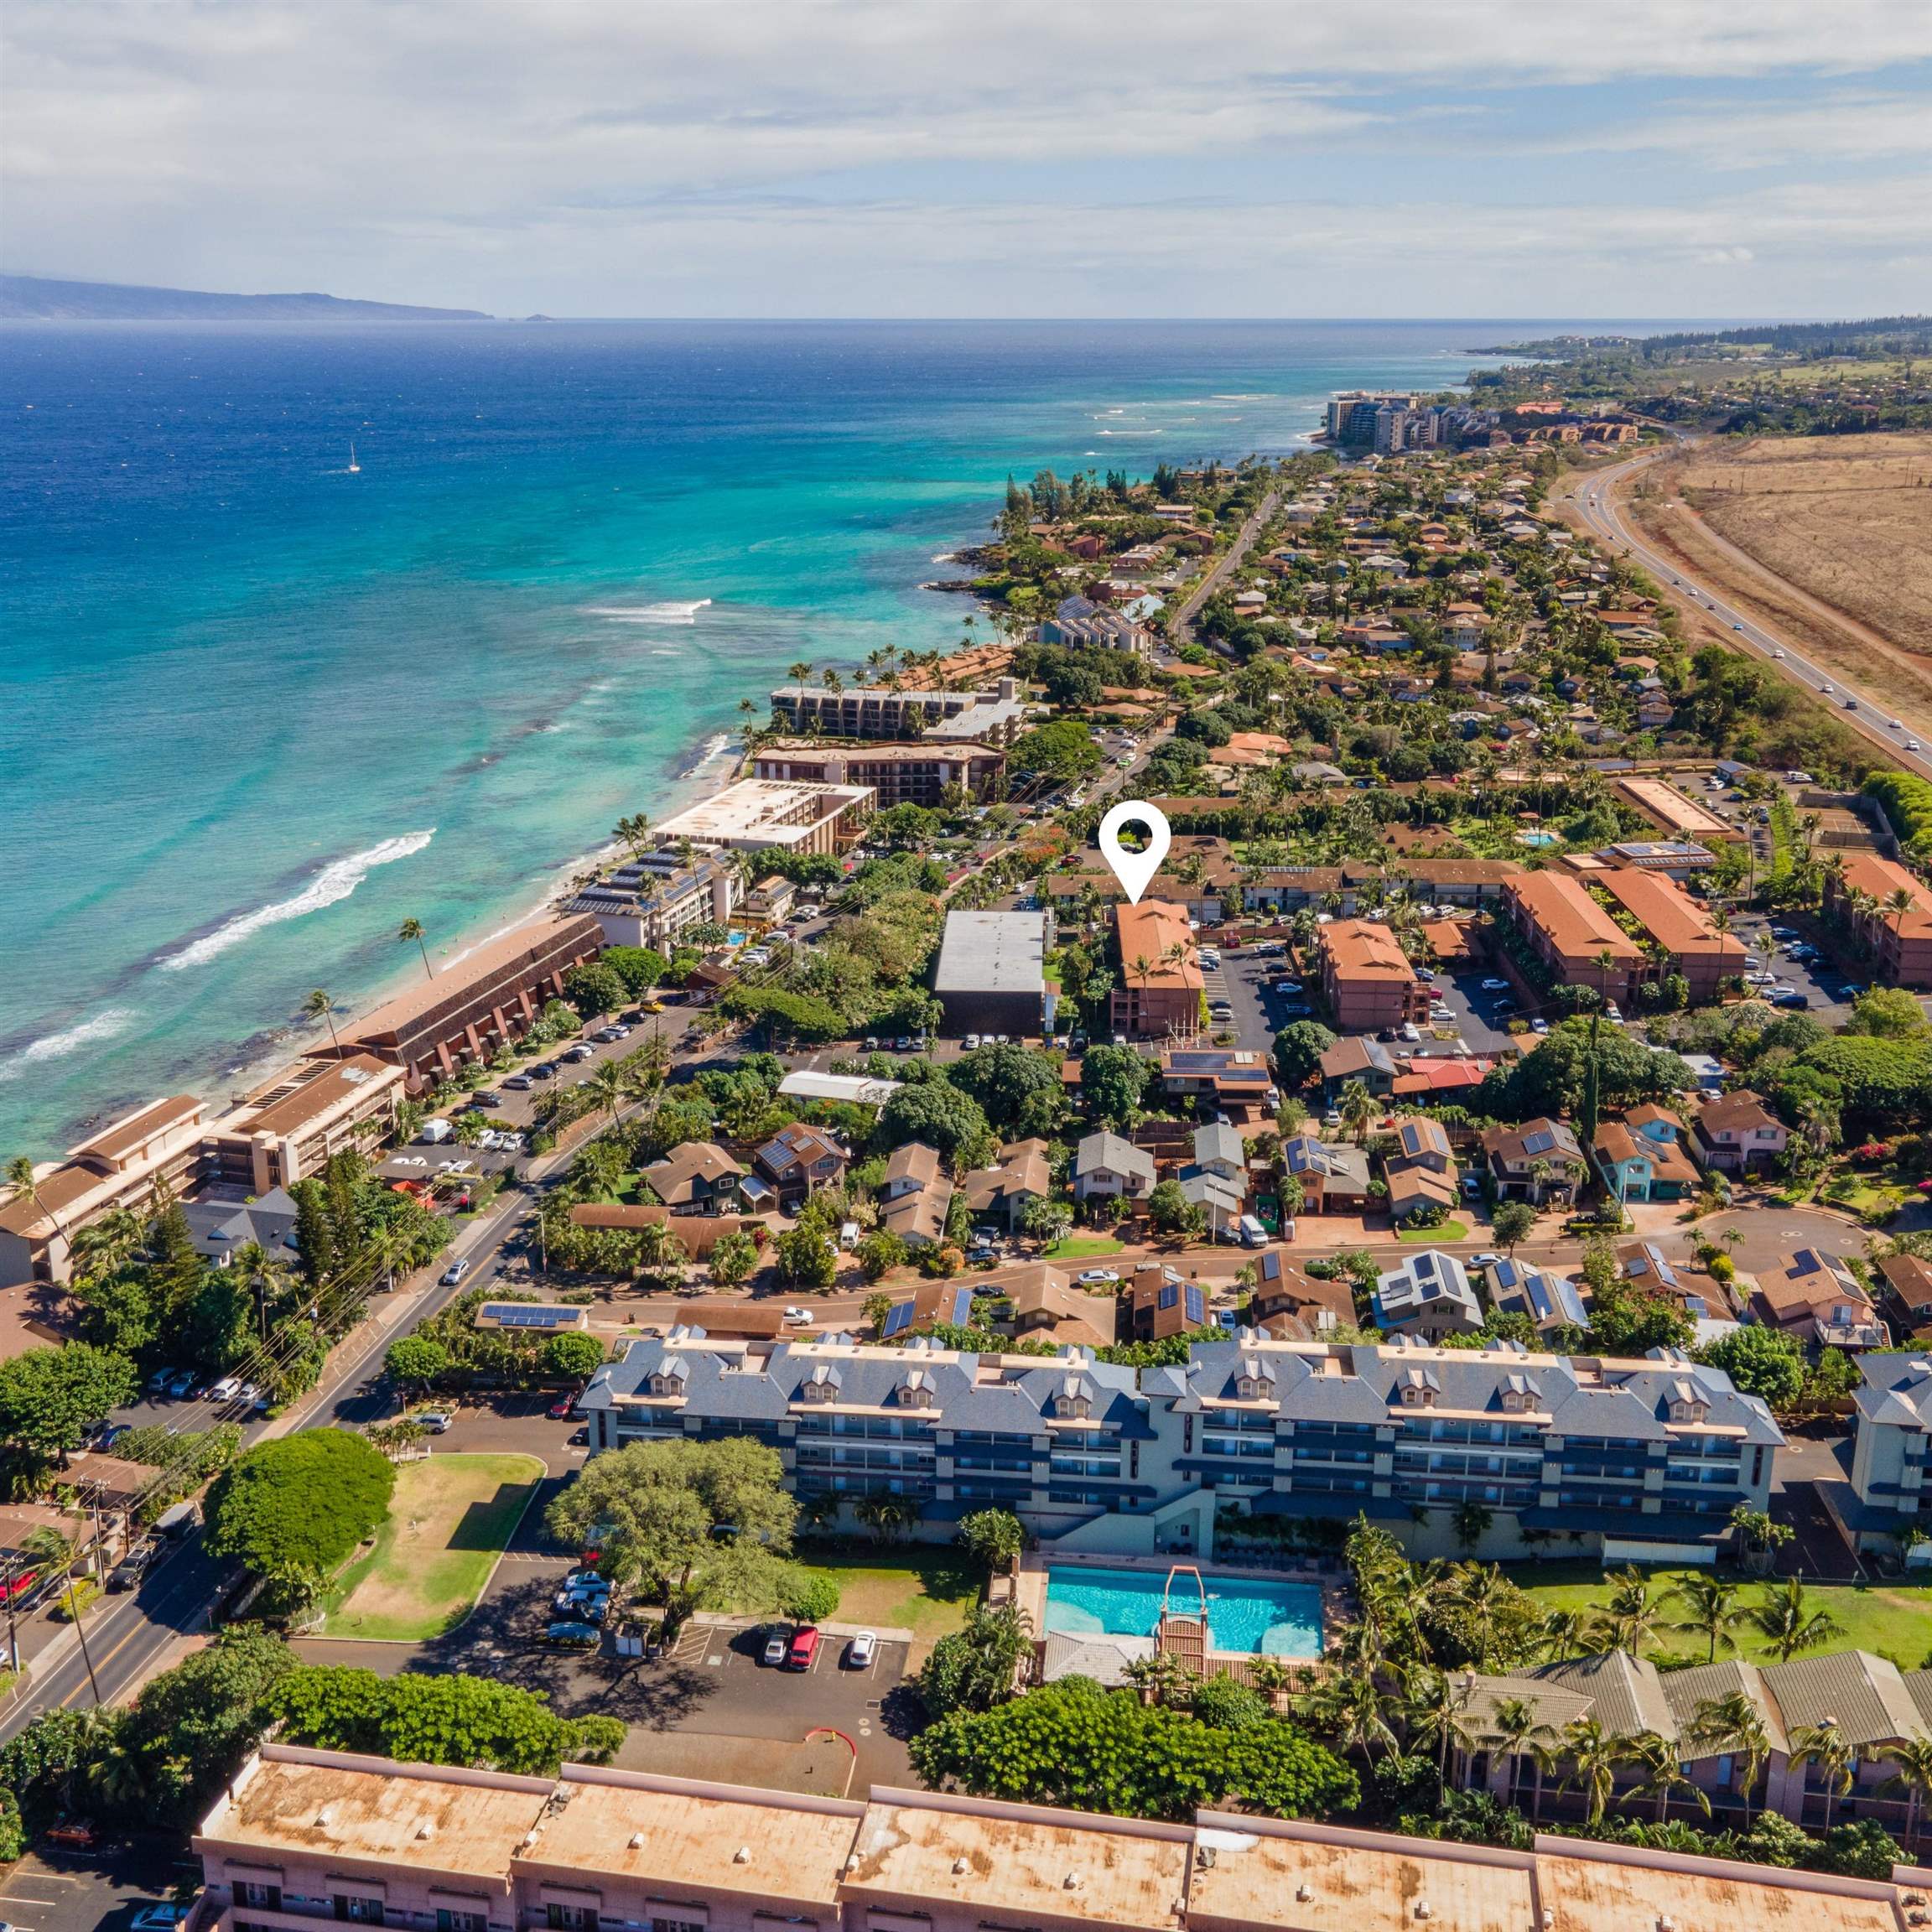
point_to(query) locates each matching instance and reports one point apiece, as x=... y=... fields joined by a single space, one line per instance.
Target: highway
x=1596 y=503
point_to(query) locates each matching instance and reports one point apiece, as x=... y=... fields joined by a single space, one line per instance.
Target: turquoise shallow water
x=1277 y=1619
x=255 y=711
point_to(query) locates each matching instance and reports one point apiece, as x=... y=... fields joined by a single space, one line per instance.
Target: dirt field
x=1828 y=538
x=449 y=1522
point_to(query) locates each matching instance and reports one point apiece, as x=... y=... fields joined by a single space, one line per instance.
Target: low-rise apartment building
x=655 y=899
x=1576 y=939
x=122 y=1166
x=302 y=1837
x=991 y=973
x=1676 y=923
x=1159 y=993
x=920 y=774
x=1861 y=888
x=765 y=815
x=286 y=1130
x=476 y=1004
x=1642 y=1456
x=1367 y=979
x=993 y=717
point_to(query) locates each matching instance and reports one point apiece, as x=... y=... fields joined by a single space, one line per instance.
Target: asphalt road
x=1596 y=503
x=1180 y=627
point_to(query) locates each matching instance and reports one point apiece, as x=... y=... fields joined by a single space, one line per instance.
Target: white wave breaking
x=686 y=613
x=103 y=1025
x=333 y=884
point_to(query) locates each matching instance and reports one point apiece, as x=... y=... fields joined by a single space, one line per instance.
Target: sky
x=979 y=157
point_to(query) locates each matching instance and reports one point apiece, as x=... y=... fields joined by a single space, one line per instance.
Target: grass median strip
x=450 y=1519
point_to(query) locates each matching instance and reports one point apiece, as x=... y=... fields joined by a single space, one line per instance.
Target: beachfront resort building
x=655 y=898
x=297 y=1833
x=122 y=1166
x=991 y=976
x=1646 y=1458
x=900 y=774
x=767 y=815
x=995 y=717
x=1161 y=986
x=477 y=1003
x=287 y=1130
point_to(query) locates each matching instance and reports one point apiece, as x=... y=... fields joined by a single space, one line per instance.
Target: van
x=1252 y=1234
x=177 y=1522
x=437 y=1131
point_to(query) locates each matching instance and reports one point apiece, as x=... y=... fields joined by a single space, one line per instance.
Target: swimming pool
x=1538 y=840
x=1278 y=1619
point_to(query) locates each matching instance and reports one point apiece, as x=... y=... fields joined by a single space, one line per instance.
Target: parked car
x=180 y=1383
x=518 y=1083
x=1485 y=1260
x=1495 y=985
x=127 y=1574
x=74 y=1835
x=799 y=1317
x=804 y=1648
x=436 y=1421
x=1100 y=1277
x=861 y=1650
x=225 y=1390
x=158 y=1919
x=772 y=1656
x=560 y=1409
x=573 y=1633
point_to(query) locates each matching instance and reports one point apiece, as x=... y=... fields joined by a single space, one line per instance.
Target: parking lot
x=110 y=1889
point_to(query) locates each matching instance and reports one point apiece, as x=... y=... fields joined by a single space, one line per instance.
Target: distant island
x=36 y=298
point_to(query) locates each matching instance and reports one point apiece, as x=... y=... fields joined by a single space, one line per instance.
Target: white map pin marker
x=1134 y=870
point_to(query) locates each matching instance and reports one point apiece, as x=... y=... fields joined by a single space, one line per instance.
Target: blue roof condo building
x=1642 y=1459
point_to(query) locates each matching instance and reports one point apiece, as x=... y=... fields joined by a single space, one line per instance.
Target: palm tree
x=20 y=1179
x=1348 y=1709
x=1733 y=1724
x=1711 y=1607
x=109 y=1243
x=1358 y=1110
x=1630 y=1615
x=1828 y=1747
x=319 y=1005
x=1898 y=901
x=1518 y=1733
x=633 y=831
x=1595 y=1756
x=798 y=672
x=1663 y=1771
x=609 y=1087
x=413 y=929
x=1914 y=1757
x=46 y=1546
x=1436 y=1704
x=1788 y=1622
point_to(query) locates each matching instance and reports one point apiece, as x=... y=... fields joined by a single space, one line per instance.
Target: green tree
x=1789 y=1623
x=415 y=1361
x=1511 y=1223
x=1888 y=1012
x=577 y=1356
x=594 y=988
x=640 y=967
x=691 y=1523
x=52 y=1399
x=943 y=1116
x=1710 y=1603
x=1072 y=1744
x=809 y=1596
x=1045 y=1218
x=973 y=1668
x=1172 y=1213
x=995 y=1536
x=1019 y=1090
x=1761 y=1361
x=1063 y=751
x=806 y=1258
x=300 y=1503
x=734 y=1255
x=879 y=1251
x=1114 y=1082
x=410 y=931
x=1298 y=1050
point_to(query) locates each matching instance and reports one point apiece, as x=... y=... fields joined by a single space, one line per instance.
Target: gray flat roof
x=993 y=953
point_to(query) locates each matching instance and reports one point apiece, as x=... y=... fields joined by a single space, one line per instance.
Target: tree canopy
x=1017 y=1089
x=300 y=1504
x=52 y=1398
x=941 y=1115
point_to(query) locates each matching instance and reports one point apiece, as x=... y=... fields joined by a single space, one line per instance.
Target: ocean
x=256 y=710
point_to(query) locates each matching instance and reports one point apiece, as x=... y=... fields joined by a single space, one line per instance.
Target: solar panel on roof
x=898 y=1319
x=1540 y=1143
x=1168 y=1295
x=1197 y=1305
x=1424 y=1267
x=525 y=1314
x=1411 y=1139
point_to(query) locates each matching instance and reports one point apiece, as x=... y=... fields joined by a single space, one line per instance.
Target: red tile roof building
x=1366 y=978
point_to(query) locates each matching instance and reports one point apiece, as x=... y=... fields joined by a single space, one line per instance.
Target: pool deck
x=1185 y=1638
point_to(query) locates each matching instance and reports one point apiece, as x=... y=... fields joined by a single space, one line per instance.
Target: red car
x=17 y=1586
x=804 y=1648
x=559 y=1410
x=74 y=1835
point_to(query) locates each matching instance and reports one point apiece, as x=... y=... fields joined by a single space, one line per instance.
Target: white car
x=861 y=1650
x=1495 y=985
x=436 y=1421
x=1100 y=1277
x=1894 y=724
x=971 y=1042
x=1824 y=690
x=225 y=1390
x=799 y=1317
x=1778 y=654
x=1485 y=1260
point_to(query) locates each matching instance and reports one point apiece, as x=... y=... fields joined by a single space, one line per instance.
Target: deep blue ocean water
x=255 y=711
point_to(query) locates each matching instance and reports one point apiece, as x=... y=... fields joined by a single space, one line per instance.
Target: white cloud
x=637 y=157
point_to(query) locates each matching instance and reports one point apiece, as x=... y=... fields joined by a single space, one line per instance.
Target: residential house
x=926 y=1305
x=1047 y=1306
x=1366 y=978
x=1639 y=1158
x=1159 y=1304
x=1439 y=1078
x=1105 y=1164
x=1703 y=1299
x=1420 y=1169
x=1232 y=1077
x=1286 y=1301
x=1334 y=1177
x=1551 y=1300
x=1003 y=1193
x=916 y=1195
x=1910 y=1281
x=221 y=1230
x=1429 y=1295
x=1539 y=1161
x=1738 y=1134
x=798 y=1160
x=697 y=1178
x=1357 y=1058
x=1813 y=1295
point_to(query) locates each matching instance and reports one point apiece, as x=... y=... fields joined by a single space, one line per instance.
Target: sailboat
x=355 y=468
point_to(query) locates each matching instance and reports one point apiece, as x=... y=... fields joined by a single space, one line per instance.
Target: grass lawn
x=1428 y=1237
x=1893 y=1619
x=927 y=1590
x=1081 y=1247
x=448 y=1523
